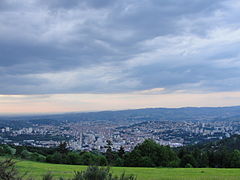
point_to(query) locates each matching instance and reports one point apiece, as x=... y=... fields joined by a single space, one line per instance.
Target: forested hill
x=224 y=153
x=227 y=144
x=175 y=114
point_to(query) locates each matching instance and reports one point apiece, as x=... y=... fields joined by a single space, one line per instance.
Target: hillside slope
x=36 y=170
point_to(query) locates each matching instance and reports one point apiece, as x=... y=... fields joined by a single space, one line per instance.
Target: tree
x=201 y=158
x=8 y=150
x=101 y=160
x=55 y=158
x=26 y=154
x=62 y=148
x=73 y=158
x=37 y=157
x=146 y=162
x=109 y=153
x=203 y=161
x=187 y=160
x=88 y=158
x=235 y=159
x=149 y=154
x=121 y=152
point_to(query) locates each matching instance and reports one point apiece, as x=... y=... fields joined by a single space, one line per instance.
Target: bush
x=188 y=159
x=8 y=170
x=101 y=160
x=174 y=164
x=96 y=173
x=188 y=165
x=26 y=154
x=48 y=176
x=37 y=157
x=55 y=158
x=73 y=158
x=32 y=156
x=93 y=173
x=88 y=158
x=5 y=149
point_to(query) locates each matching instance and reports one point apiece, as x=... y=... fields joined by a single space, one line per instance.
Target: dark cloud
x=103 y=46
x=6 y=5
x=65 y=4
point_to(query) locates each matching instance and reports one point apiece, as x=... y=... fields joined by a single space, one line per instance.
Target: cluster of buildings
x=89 y=136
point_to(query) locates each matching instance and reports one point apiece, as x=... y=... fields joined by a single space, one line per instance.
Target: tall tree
x=121 y=152
x=109 y=153
x=62 y=148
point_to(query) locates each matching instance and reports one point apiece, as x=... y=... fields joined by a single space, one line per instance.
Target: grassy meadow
x=36 y=169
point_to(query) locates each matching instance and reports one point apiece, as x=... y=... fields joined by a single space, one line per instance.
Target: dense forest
x=221 y=153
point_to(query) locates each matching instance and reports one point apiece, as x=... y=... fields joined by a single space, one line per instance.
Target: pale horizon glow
x=60 y=103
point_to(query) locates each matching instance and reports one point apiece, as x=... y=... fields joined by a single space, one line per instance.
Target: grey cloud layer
x=94 y=46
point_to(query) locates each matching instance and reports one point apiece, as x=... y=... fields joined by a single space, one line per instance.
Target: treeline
x=147 y=154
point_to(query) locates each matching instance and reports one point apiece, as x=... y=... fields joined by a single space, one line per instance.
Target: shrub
x=188 y=165
x=47 y=176
x=26 y=154
x=96 y=173
x=55 y=158
x=8 y=170
x=8 y=150
x=37 y=157
x=88 y=158
x=73 y=158
x=93 y=173
x=174 y=164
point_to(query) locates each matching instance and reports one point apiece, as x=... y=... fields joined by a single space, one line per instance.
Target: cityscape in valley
x=119 y=90
x=91 y=131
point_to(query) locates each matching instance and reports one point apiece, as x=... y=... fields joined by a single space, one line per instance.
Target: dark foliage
x=8 y=170
x=222 y=153
x=96 y=173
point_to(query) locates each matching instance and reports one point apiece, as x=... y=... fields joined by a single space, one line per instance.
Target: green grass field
x=36 y=169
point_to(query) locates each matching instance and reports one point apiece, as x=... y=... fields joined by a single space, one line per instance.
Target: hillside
x=38 y=169
x=229 y=144
x=148 y=114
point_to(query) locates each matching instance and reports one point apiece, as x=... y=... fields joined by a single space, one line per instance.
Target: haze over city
x=64 y=56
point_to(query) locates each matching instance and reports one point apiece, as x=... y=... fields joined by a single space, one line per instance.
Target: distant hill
x=148 y=114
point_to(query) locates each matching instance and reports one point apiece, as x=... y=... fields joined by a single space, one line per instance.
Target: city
x=89 y=136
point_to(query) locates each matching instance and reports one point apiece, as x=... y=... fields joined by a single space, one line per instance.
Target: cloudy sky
x=88 y=55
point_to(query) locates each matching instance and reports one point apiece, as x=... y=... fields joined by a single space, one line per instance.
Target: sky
x=92 y=55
